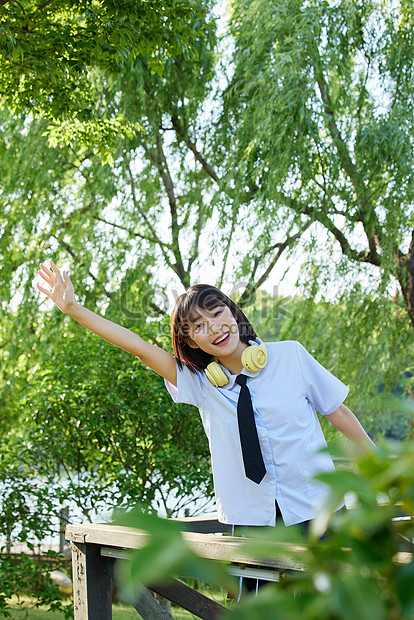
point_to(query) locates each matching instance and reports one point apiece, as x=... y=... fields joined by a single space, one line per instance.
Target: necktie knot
x=241 y=379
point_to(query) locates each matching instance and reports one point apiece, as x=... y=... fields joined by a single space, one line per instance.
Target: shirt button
x=273 y=482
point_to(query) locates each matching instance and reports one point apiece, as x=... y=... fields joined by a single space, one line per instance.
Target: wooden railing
x=95 y=548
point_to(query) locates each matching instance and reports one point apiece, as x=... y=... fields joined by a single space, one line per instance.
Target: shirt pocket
x=314 y=462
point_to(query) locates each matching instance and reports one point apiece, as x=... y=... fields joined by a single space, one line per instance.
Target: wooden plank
x=145 y=604
x=148 y=608
x=223 y=548
x=207 y=524
x=196 y=603
x=106 y=534
x=266 y=574
x=92 y=596
x=116 y=554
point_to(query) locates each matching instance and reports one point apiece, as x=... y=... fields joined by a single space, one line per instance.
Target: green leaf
x=343 y=482
x=166 y=554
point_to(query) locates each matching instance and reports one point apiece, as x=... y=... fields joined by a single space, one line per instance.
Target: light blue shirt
x=285 y=396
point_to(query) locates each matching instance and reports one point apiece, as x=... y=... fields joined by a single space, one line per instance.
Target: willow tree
x=318 y=120
x=51 y=52
x=150 y=210
x=166 y=202
x=57 y=199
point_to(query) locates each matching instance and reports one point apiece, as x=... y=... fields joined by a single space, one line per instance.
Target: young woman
x=257 y=402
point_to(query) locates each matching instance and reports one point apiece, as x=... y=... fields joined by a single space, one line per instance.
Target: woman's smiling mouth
x=222 y=340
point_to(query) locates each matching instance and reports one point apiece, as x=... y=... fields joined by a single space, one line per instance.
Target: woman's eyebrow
x=194 y=319
x=207 y=313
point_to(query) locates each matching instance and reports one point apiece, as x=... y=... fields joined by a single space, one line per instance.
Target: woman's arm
x=348 y=424
x=62 y=294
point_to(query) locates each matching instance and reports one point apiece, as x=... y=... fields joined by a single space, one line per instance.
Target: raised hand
x=63 y=296
x=62 y=293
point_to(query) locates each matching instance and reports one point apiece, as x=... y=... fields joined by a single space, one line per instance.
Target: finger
x=46 y=278
x=66 y=278
x=43 y=290
x=46 y=270
x=56 y=271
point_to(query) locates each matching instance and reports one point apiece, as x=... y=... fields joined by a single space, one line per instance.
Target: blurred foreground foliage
x=362 y=568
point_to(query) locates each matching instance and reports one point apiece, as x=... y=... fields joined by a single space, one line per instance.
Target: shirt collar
x=244 y=371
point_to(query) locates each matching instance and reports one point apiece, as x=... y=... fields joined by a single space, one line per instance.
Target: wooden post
x=92 y=596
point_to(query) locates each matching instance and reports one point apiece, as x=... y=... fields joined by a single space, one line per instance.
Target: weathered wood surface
x=237 y=570
x=223 y=548
x=92 y=594
x=196 y=603
x=149 y=608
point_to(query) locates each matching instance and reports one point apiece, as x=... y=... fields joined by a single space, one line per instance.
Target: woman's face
x=214 y=331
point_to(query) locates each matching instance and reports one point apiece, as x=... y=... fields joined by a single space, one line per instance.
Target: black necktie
x=252 y=455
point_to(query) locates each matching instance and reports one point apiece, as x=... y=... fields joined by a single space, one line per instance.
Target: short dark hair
x=204 y=297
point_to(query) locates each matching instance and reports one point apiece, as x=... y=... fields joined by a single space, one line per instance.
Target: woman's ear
x=191 y=344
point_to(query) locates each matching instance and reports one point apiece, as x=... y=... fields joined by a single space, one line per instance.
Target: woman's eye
x=217 y=312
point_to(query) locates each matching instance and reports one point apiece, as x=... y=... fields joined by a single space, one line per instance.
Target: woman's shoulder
x=283 y=344
x=286 y=349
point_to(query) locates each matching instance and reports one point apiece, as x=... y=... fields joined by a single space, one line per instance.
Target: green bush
x=33 y=578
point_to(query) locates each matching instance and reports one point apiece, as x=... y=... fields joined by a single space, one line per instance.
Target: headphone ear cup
x=216 y=374
x=254 y=358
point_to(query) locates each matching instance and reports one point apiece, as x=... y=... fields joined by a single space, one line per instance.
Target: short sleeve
x=323 y=390
x=190 y=388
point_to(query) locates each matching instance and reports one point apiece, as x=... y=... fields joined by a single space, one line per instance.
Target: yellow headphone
x=253 y=358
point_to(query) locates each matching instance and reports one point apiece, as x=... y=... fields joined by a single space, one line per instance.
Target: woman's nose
x=215 y=326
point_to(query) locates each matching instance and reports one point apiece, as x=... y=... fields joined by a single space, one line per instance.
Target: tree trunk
x=405 y=275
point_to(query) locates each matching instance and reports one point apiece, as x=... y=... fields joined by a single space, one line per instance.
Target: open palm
x=61 y=293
